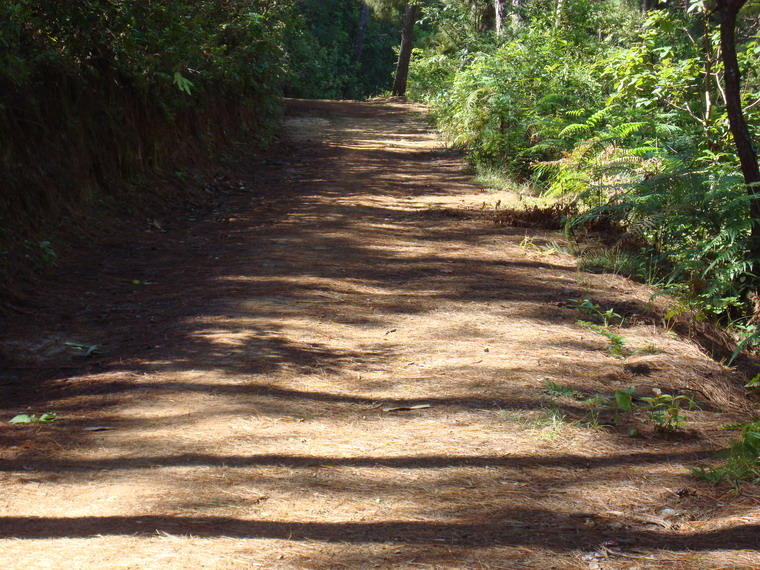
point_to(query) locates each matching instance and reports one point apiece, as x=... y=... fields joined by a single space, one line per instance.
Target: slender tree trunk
x=728 y=11
x=482 y=16
x=558 y=12
x=499 y=7
x=361 y=30
x=405 y=53
x=707 y=49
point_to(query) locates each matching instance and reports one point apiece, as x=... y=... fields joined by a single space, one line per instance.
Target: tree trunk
x=558 y=12
x=707 y=50
x=405 y=53
x=361 y=30
x=728 y=11
x=499 y=7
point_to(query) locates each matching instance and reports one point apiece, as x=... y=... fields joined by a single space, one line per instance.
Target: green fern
x=626 y=130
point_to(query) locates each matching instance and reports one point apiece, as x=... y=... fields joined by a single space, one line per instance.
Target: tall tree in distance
x=361 y=31
x=499 y=8
x=405 y=52
x=728 y=11
x=388 y=9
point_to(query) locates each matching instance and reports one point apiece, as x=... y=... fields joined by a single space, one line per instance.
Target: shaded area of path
x=245 y=382
x=521 y=527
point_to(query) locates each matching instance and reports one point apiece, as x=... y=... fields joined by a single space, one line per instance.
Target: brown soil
x=259 y=364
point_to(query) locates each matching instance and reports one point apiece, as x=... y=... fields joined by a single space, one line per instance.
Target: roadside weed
x=550 y=249
x=665 y=410
x=754 y=384
x=617 y=342
x=551 y=421
x=620 y=401
x=555 y=390
x=593 y=311
x=32 y=419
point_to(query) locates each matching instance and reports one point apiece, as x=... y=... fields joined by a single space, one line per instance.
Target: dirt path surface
x=345 y=365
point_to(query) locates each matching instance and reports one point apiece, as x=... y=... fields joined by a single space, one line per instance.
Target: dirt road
x=346 y=364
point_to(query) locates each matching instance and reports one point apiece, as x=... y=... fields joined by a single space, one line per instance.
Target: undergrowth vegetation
x=741 y=459
x=619 y=113
x=330 y=59
x=665 y=412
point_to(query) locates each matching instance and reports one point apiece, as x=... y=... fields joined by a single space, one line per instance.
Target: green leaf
x=22 y=419
x=32 y=419
x=182 y=83
x=88 y=350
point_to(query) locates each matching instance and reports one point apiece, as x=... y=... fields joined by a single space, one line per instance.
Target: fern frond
x=625 y=130
x=666 y=129
x=596 y=119
x=575 y=129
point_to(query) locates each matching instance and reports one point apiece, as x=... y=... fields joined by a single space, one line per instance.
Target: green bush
x=321 y=52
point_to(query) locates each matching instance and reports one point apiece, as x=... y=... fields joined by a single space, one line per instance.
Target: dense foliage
x=324 y=59
x=621 y=111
